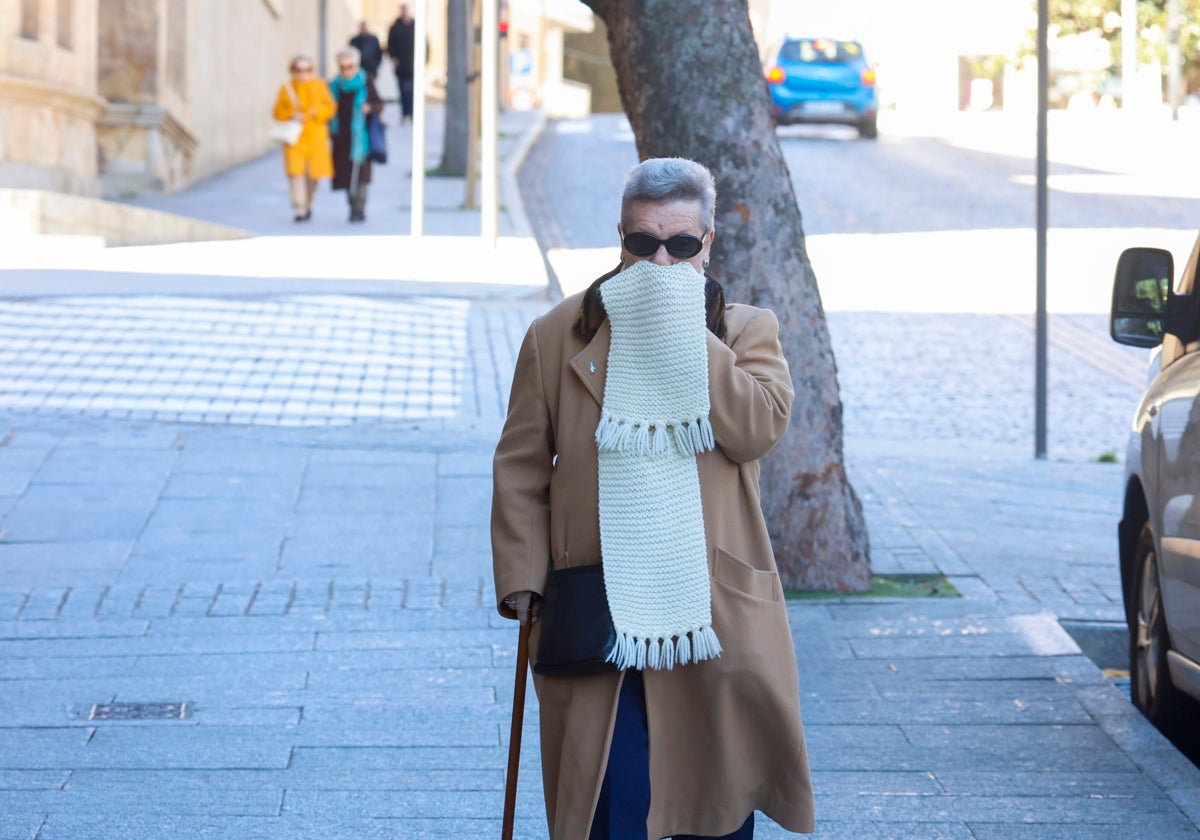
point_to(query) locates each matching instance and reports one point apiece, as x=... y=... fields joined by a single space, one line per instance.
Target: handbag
x=286 y=132
x=376 y=139
x=577 y=632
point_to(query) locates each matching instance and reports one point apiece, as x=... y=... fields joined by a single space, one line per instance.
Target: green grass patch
x=885 y=586
x=441 y=172
x=1107 y=457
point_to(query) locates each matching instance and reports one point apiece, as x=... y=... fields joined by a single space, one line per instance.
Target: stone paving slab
x=414 y=678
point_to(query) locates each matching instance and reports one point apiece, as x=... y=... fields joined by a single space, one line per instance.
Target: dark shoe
x=307 y=214
x=299 y=217
x=358 y=217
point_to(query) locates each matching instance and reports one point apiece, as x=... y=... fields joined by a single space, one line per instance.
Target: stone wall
x=124 y=96
x=49 y=101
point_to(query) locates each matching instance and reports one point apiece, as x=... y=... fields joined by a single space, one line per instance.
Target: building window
x=65 y=29
x=29 y=19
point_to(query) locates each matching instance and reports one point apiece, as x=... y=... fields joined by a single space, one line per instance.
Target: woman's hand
x=527 y=605
x=366 y=108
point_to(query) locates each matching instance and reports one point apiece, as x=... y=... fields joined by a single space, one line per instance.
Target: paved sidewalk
x=323 y=255
x=246 y=587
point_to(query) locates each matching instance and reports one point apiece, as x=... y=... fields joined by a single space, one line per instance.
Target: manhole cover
x=138 y=711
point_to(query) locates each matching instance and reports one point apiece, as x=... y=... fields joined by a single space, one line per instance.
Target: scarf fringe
x=664 y=653
x=690 y=437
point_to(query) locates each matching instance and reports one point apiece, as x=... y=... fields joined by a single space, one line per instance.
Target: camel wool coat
x=725 y=735
x=310 y=155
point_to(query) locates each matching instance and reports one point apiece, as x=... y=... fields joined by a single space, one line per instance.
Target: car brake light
x=776 y=75
x=868 y=77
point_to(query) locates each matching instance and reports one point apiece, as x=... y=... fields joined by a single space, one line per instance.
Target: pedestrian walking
x=356 y=97
x=639 y=410
x=369 y=49
x=306 y=100
x=400 y=41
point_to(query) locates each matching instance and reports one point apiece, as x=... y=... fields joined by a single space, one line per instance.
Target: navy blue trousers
x=624 y=801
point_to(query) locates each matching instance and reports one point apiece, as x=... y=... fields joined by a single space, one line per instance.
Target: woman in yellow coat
x=307 y=100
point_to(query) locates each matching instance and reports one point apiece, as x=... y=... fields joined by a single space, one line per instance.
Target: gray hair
x=350 y=52
x=661 y=180
x=296 y=59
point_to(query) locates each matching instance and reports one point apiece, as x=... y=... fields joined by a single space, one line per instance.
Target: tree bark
x=692 y=86
x=457 y=117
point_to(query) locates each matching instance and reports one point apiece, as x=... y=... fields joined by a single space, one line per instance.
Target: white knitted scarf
x=654 y=421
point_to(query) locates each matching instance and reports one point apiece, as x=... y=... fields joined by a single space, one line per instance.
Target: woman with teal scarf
x=356 y=97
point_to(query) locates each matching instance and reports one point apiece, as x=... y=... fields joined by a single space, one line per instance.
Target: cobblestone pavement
x=308 y=360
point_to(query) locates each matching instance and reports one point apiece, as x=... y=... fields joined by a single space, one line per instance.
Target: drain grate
x=138 y=711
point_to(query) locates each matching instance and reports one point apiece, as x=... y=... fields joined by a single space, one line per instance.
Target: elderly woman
x=356 y=97
x=306 y=100
x=638 y=412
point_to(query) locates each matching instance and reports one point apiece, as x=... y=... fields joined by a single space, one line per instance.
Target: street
x=936 y=237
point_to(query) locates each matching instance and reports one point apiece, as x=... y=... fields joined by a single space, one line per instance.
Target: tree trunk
x=692 y=86
x=455 y=139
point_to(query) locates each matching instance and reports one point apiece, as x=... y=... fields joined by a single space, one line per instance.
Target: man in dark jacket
x=400 y=48
x=369 y=48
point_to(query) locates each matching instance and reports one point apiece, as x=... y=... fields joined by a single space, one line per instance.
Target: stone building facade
x=117 y=97
x=49 y=96
x=114 y=98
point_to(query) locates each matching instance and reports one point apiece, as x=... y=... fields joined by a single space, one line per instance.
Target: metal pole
x=417 y=200
x=1174 y=72
x=322 y=38
x=1043 y=83
x=1129 y=56
x=471 y=173
x=489 y=202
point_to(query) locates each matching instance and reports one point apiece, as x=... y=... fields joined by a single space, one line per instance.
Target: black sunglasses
x=681 y=245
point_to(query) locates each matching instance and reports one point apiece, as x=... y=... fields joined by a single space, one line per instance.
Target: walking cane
x=514 y=735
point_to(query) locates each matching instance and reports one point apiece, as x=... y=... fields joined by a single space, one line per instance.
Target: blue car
x=823 y=80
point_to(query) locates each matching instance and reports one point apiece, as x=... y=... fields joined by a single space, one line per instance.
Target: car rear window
x=820 y=51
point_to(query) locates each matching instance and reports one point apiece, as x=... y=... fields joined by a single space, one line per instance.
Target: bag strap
x=291 y=89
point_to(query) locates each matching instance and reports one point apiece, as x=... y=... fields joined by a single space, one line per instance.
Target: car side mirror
x=1144 y=308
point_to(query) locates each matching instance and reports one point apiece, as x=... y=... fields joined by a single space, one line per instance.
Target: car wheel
x=1149 y=676
x=868 y=128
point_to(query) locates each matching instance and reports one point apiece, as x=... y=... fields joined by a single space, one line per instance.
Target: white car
x=1159 y=532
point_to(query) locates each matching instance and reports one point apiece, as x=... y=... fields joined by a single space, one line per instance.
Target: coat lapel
x=591 y=362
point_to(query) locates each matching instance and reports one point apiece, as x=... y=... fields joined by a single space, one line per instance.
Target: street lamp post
x=1040 y=361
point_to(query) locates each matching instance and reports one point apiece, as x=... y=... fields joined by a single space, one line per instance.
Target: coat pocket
x=740 y=575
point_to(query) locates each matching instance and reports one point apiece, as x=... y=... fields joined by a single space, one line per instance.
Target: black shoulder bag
x=577 y=632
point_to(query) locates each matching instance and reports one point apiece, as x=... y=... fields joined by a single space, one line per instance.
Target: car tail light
x=868 y=77
x=776 y=76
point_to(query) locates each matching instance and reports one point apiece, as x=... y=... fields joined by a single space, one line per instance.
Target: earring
x=704 y=264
